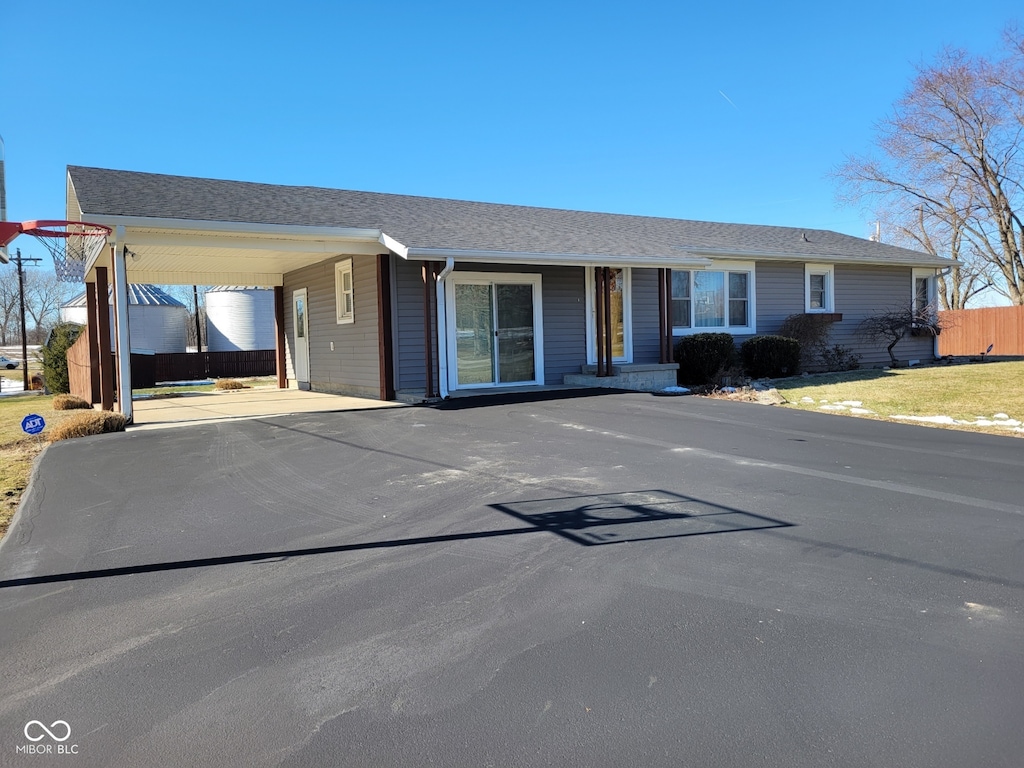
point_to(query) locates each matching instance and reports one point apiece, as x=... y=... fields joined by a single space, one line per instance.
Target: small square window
x=818 y=288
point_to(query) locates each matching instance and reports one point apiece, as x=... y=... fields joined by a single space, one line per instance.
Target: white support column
x=124 y=357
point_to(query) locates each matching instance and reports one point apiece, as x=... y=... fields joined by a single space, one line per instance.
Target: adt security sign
x=33 y=424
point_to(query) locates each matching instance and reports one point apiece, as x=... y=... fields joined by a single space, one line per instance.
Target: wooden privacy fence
x=80 y=368
x=970 y=331
x=184 y=366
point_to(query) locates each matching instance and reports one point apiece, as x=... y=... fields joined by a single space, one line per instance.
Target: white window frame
x=735 y=330
x=828 y=270
x=627 y=316
x=451 y=339
x=342 y=268
x=929 y=275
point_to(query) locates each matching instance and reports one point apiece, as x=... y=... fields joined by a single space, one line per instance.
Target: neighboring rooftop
x=139 y=294
x=436 y=223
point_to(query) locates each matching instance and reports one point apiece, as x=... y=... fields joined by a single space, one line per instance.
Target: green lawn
x=18 y=450
x=960 y=393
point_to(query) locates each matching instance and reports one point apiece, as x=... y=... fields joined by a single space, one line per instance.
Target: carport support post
x=94 y=349
x=282 y=379
x=385 y=342
x=101 y=311
x=124 y=356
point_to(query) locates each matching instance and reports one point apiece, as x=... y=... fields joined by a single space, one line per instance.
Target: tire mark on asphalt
x=742 y=461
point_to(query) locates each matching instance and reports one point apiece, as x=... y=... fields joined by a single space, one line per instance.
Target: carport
x=172 y=251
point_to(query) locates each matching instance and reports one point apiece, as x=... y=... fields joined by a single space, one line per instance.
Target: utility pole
x=24 y=332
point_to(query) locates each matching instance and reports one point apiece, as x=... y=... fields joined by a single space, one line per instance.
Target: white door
x=300 y=314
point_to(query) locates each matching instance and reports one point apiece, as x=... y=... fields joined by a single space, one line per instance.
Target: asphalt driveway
x=617 y=579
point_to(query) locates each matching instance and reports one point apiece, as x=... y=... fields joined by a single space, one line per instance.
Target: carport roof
x=432 y=228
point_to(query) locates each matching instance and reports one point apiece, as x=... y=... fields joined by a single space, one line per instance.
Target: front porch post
x=101 y=311
x=279 y=362
x=665 y=314
x=599 y=319
x=606 y=280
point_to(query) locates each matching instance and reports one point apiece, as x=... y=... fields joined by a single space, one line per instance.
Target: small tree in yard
x=893 y=324
x=55 y=356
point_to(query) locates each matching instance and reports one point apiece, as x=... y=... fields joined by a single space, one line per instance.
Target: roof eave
x=756 y=255
x=553 y=259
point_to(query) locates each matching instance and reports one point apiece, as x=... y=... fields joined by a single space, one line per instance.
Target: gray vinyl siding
x=353 y=367
x=864 y=291
x=860 y=291
x=779 y=293
x=410 y=370
x=563 y=297
x=646 y=324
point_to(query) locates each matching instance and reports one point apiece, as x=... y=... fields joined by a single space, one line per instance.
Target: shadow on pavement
x=610 y=518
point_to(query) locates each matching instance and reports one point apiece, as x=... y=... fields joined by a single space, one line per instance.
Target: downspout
x=442 y=329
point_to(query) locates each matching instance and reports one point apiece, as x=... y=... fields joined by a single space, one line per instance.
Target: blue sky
x=719 y=111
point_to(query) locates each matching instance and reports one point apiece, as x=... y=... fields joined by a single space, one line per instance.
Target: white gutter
x=561 y=259
x=442 y=329
x=124 y=357
x=723 y=253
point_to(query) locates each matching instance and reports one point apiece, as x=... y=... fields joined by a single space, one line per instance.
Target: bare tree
x=969 y=276
x=10 y=330
x=951 y=168
x=892 y=324
x=44 y=294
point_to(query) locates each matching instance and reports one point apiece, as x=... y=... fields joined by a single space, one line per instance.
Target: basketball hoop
x=71 y=243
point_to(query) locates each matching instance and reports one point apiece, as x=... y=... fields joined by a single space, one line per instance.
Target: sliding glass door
x=496 y=330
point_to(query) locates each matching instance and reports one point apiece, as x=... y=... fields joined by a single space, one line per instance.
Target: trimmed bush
x=55 y=356
x=228 y=384
x=70 y=403
x=703 y=356
x=770 y=356
x=85 y=423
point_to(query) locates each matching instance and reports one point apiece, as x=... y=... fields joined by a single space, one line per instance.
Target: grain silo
x=239 y=318
x=156 y=320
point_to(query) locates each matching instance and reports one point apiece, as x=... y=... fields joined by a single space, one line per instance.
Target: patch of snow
x=676 y=390
x=851 y=403
x=729 y=390
x=1001 y=416
x=806 y=399
x=928 y=419
x=823 y=401
x=832 y=407
x=861 y=411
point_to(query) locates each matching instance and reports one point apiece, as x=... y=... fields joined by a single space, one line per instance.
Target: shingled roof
x=442 y=224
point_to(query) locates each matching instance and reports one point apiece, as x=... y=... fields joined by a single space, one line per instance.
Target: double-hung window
x=924 y=295
x=344 y=295
x=713 y=299
x=819 y=293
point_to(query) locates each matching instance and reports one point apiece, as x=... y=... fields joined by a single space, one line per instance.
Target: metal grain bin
x=239 y=318
x=156 y=320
